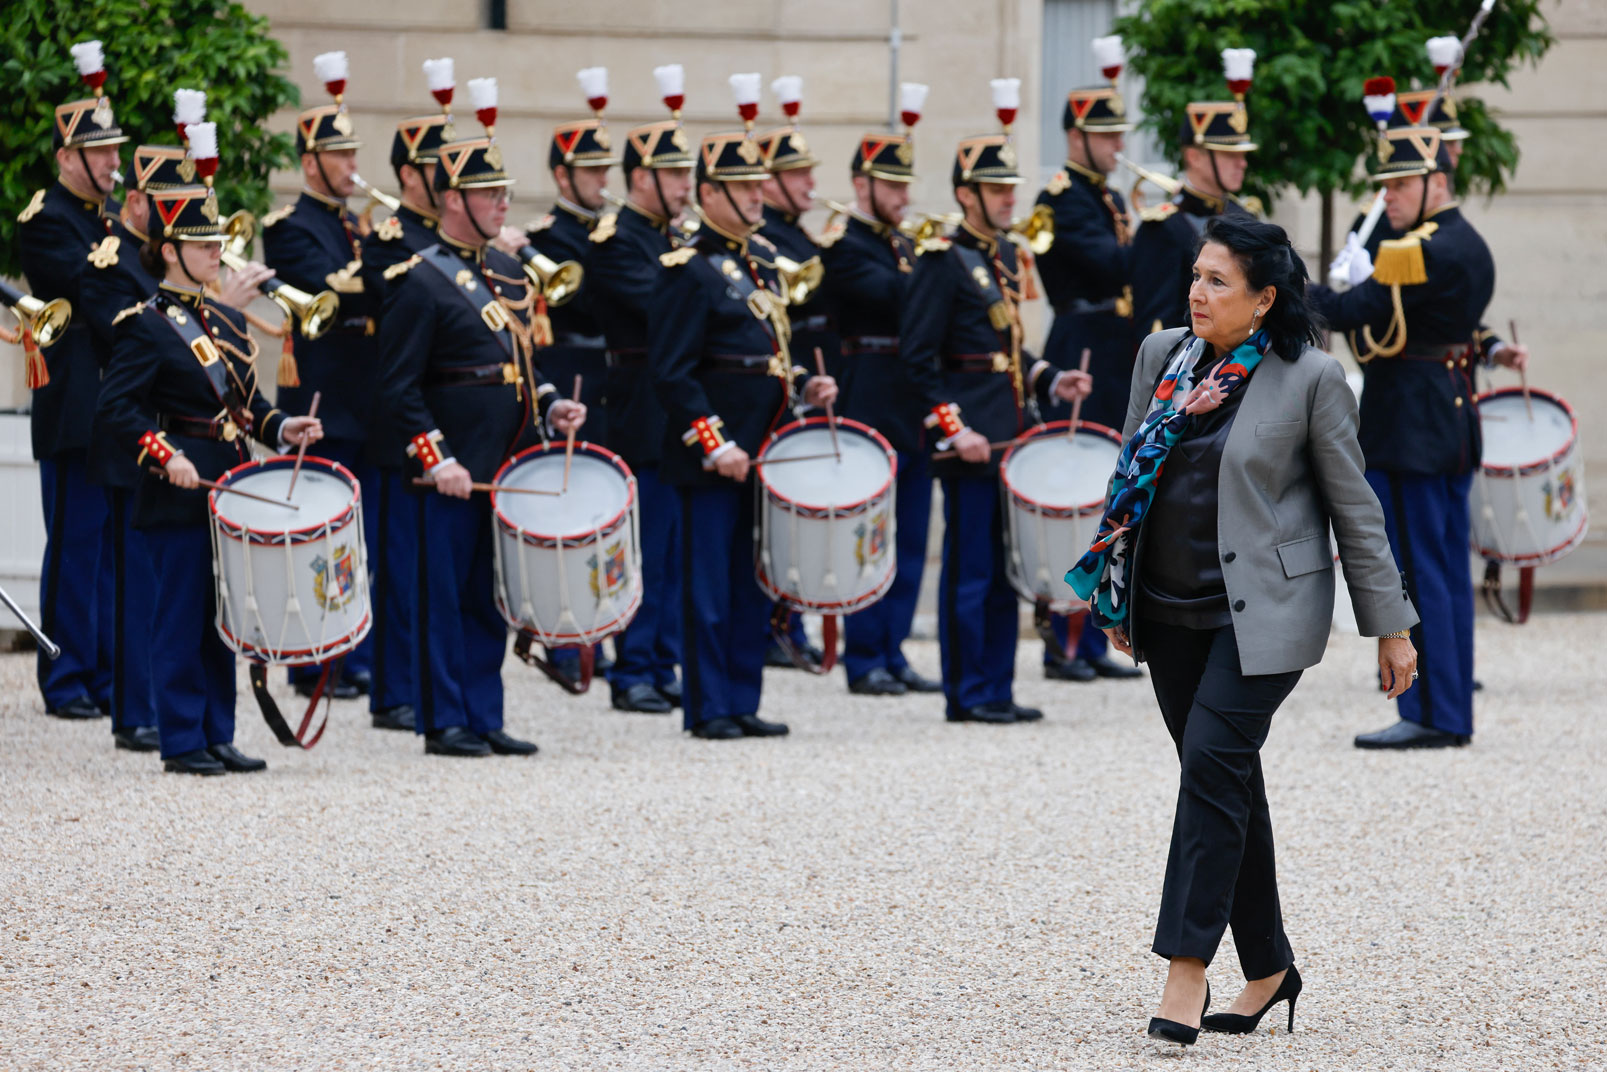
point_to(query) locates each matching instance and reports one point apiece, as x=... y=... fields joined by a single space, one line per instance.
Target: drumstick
x=569 y=441
x=831 y=418
x=799 y=458
x=945 y=455
x=1076 y=407
x=233 y=491
x=421 y=482
x=1523 y=377
x=301 y=451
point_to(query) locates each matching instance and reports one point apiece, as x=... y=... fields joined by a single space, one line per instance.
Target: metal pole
x=895 y=40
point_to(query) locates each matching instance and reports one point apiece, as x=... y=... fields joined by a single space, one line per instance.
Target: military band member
x=180 y=395
x=961 y=342
x=458 y=383
x=717 y=346
x=1216 y=142
x=868 y=268
x=59 y=227
x=1086 y=276
x=315 y=245
x=622 y=273
x=1414 y=325
x=415 y=149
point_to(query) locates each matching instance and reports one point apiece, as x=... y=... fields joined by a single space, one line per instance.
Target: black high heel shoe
x=1172 y=1031
x=1229 y=1023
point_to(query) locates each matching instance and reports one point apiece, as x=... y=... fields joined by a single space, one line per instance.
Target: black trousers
x=1220 y=870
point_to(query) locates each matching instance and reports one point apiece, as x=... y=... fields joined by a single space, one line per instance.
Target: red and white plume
x=91 y=64
x=1238 y=64
x=189 y=106
x=911 y=100
x=1378 y=94
x=1109 y=55
x=483 y=95
x=440 y=76
x=330 y=67
x=594 y=84
x=671 y=81
x=789 y=93
x=1444 y=53
x=745 y=91
x=1006 y=99
x=204 y=149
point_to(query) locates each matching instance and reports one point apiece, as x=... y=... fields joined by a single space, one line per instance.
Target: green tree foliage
x=1311 y=60
x=152 y=47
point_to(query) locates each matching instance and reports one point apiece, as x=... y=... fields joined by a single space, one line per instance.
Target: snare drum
x=568 y=566
x=826 y=525
x=292 y=584
x=1528 y=501
x=1054 y=494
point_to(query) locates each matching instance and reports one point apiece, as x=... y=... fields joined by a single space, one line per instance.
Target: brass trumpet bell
x=1037 y=230
x=376 y=195
x=929 y=225
x=557 y=281
x=45 y=320
x=240 y=231
x=314 y=313
x=799 y=281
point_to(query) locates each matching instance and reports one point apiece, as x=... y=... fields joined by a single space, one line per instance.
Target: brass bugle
x=313 y=312
x=1172 y=186
x=557 y=281
x=1037 y=230
x=929 y=225
x=239 y=231
x=798 y=281
x=388 y=200
x=45 y=320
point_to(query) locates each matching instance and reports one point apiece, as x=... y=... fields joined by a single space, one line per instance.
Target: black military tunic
x=867 y=274
x=1164 y=248
x=812 y=324
x=622 y=273
x=391 y=242
x=114 y=281
x=578 y=346
x=1087 y=277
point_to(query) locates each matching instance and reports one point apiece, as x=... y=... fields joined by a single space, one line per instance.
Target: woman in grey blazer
x=1213 y=564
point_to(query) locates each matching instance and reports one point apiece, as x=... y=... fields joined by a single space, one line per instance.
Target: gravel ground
x=878 y=891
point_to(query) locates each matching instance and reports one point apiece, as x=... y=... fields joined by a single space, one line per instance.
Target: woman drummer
x=181 y=395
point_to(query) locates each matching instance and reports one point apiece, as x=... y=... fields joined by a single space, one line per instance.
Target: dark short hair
x=150 y=258
x=1267 y=259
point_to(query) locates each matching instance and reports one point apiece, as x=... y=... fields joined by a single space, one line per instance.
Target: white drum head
x=1511 y=439
x=322 y=494
x=596 y=495
x=1060 y=473
x=826 y=482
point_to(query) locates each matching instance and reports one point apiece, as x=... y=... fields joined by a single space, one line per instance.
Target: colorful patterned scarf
x=1102 y=576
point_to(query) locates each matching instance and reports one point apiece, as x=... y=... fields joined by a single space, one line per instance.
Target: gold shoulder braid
x=401 y=268
x=104 y=252
x=33 y=208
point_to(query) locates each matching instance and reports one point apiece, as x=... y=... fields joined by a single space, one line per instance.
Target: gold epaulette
x=34 y=205
x=130 y=311
x=1160 y=212
x=762 y=242
x=537 y=226
x=1058 y=185
x=1399 y=262
x=605 y=228
x=346 y=281
x=677 y=257
x=832 y=235
x=104 y=253
x=935 y=244
x=388 y=230
x=278 y=214
x=401 y=268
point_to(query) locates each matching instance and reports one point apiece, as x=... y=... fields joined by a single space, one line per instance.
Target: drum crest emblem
x=608 y=571
x=870 y=540
x=1559 y=495
x=334 y=580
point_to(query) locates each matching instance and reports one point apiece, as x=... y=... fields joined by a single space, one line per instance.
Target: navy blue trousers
x=131 y=612
x=349 y=452
x=647 y=651
x=977 y=617
x=192 y=670
x=873 y=638
x=395 y=572
x=460 y=638
x=726 y=615
x=70 y=584
x=1091 y=642
x=1427 y=521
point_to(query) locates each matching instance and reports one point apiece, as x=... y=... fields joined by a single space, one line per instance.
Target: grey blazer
x=1291 y=467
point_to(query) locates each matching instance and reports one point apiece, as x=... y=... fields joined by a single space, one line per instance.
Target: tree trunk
x=1325 y=237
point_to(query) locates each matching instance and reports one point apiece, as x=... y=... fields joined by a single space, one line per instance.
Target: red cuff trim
x=707 y=433
x=426 y=447
x=946 y=419
x=155 y=446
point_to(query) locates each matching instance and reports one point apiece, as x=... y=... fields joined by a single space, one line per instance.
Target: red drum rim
x=864 y=430
x=612 y=627
x=1046 y=431
x=306 y=534
x=545 y=539
x=1538 y=558
x=309 y=656
x=1525 y=468
x=847 y=606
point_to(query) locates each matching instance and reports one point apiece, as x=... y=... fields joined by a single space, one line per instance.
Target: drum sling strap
x=524 y=648
x=304 y=736
x=1001 y=316
x=1491 y=590
x=470 y=285
x=188 y=325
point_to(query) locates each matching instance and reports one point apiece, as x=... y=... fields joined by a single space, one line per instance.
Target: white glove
x=1352 y=267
